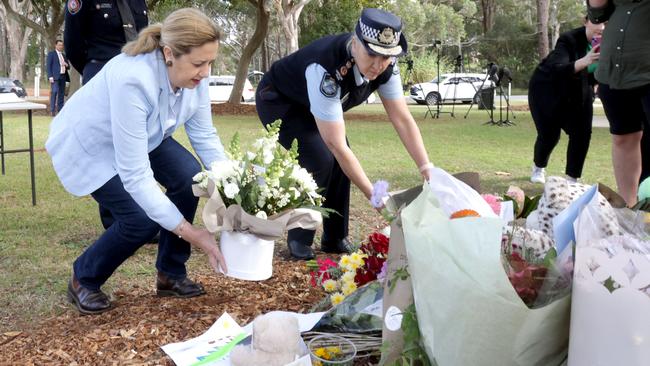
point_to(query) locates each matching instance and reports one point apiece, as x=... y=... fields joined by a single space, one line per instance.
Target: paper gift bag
x=468 y=311
x=610 y=313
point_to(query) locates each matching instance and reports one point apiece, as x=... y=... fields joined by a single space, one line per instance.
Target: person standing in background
x=96 y=30
x=624 y=86
x=561 y=96
x=57 y=74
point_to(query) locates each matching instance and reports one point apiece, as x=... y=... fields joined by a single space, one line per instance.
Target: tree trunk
x=289 y=13
x=75 y=81
x=265 y=56
x=554 y=22
x=44 y=19
x=261 y=28
x=542 y=28
x=18 y=39
x=489 y=9
x=4 y=59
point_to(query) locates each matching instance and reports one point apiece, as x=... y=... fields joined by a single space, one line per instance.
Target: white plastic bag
x=454 y=195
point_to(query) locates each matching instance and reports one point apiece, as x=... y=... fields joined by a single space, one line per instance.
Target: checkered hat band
x=371 y=34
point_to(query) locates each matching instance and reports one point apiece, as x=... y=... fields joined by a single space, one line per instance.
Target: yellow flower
x=357 y=257
x=330 y=285
x=336 y=298
x=345 y=261
x=334 y=350
x=322 y=353
x=348 y=277
x=348 y=288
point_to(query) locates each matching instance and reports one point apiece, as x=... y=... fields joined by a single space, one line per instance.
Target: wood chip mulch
x=140 y=323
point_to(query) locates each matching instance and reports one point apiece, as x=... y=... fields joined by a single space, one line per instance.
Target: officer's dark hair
x=181 y=31
x=57 y=41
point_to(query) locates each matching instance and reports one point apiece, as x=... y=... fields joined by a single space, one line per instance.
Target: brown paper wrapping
x=218 y=217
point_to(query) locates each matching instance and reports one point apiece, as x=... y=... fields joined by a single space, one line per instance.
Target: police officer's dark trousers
x=173 y=167
x=551 y=117
x=298 y=123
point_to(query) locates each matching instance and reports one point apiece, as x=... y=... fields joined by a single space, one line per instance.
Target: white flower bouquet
x=260 y=192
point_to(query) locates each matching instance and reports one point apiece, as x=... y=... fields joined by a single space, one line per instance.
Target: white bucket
x=247 y=256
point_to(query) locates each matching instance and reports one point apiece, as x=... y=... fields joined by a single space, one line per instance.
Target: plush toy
x=276 y=342
x=558 y=195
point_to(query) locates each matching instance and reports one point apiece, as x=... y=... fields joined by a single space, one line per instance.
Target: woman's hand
x=208 y=244
x=205 y=240
x=590 y=58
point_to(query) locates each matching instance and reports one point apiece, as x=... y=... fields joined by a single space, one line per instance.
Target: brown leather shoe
x=85 y=300
x=184 y=287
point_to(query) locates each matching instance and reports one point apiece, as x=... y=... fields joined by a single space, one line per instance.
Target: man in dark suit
x=57 y=73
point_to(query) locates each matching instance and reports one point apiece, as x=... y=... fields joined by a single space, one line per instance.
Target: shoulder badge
x=328 y=86
x=74 y=6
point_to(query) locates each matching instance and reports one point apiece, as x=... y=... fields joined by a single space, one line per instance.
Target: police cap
x=381 y=33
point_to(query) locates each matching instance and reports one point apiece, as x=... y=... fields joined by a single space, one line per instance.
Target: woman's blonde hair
x=181 y=31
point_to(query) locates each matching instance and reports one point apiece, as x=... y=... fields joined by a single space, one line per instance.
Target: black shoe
x=87 y=301
x=300 y=251
x=184 y=287
x=337 y=246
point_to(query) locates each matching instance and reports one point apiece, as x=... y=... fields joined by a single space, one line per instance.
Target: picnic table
x=11 y=102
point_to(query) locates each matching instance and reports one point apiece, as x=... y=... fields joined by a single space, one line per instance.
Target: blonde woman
x=113 y=140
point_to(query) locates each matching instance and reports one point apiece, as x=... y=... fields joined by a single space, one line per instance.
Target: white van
x=221 y=87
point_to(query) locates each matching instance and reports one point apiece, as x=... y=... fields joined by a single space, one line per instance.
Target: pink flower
x=517 y=194
x=493 y=201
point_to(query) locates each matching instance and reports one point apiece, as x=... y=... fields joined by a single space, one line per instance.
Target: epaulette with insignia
x=343 y=69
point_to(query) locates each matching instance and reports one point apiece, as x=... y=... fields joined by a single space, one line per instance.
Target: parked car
x=12 y=86
x=459 y=87
x=221 y=87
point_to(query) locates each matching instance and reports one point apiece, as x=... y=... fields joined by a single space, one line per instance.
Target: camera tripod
x=504 y=76
x=490 y=74
x=440 y=98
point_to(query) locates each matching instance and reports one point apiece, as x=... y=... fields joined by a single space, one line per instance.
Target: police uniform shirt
x=332 y=76
x=94 y=30
x=327 y=106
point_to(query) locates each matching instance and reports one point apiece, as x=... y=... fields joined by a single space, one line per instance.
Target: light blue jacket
x=110 y=125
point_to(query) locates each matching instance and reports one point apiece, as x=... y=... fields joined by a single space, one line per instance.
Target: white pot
x=247 y=256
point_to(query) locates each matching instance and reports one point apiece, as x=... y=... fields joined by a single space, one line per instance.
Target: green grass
x=38 y=244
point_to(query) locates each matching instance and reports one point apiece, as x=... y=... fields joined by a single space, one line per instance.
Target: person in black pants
x=95 y=32
x=560 y=96
x=309 y=90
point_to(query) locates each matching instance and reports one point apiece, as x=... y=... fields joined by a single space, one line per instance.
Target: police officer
x=96 y=30
x=310 y=89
